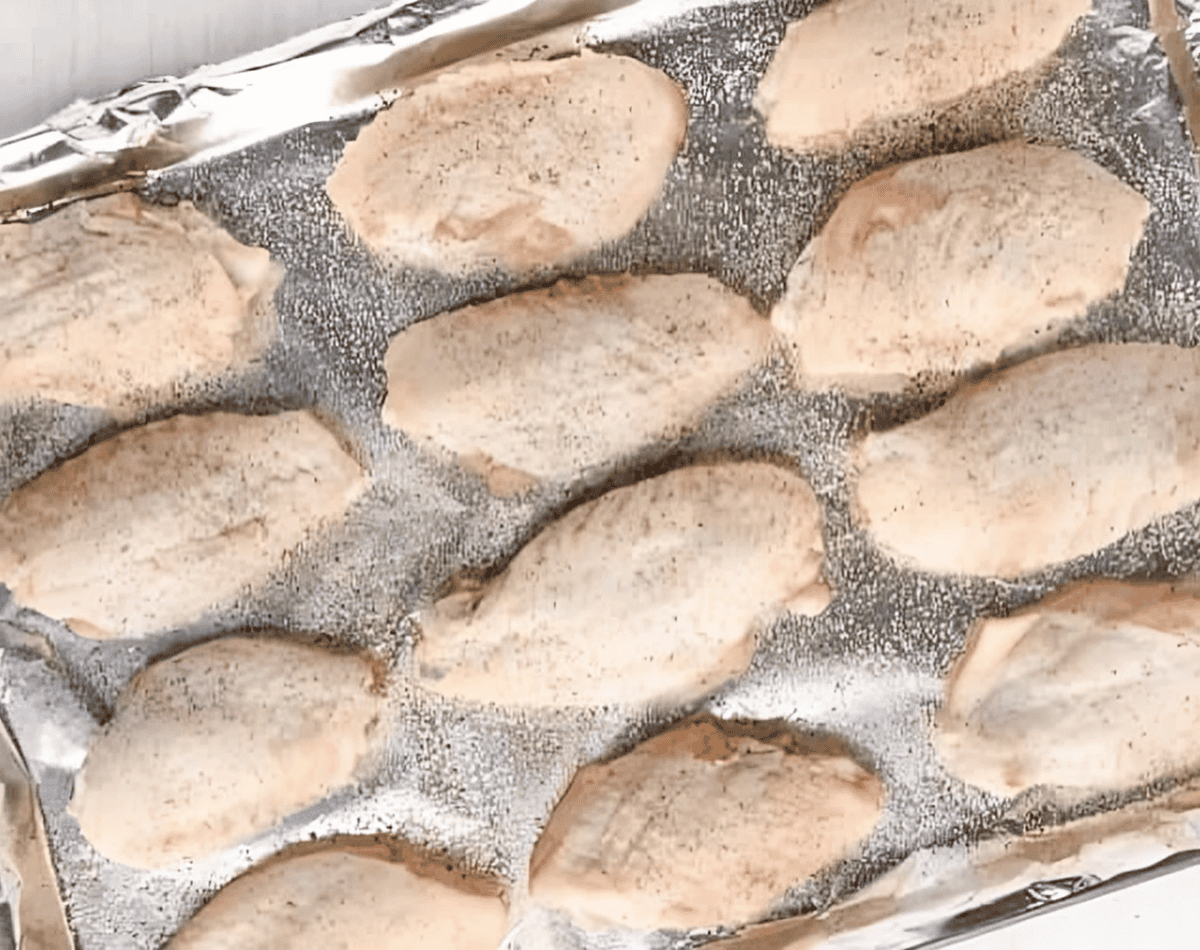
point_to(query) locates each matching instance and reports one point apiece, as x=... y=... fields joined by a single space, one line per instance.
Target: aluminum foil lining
x=344 y=69
x=479 y=786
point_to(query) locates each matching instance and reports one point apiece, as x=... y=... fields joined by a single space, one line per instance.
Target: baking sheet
x=479 y=785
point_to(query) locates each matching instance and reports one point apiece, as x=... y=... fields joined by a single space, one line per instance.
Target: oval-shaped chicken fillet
x=943 y=265
x=149 y=529
x=549 y=382
x=221 y=742
x=652 y=593
x=118 y=304
x=513 y=164
x=1094 y=688
x=339 y=900
x=853 y=63
x=1041 y=463
x=705 y=824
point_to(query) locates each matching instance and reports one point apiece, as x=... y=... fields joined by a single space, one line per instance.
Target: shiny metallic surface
x=475 y=783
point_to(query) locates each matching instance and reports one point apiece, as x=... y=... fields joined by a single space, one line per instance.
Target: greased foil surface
x=479 y=785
